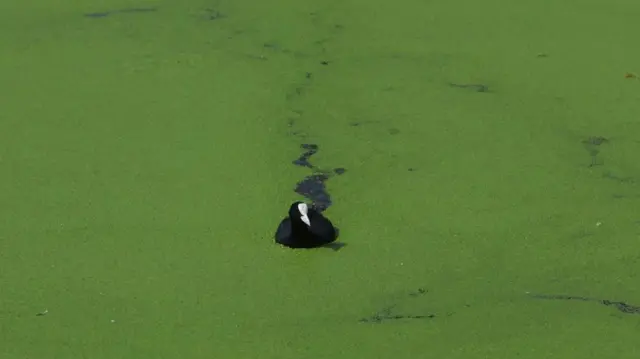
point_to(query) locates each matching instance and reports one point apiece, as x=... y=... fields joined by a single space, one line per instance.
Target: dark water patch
x=625 y=196
x=272 y=46
x=619 y=305
x=612 y=176
x=595 y=140
x=361 y=123
x=622 y=306
x=418 y=292
x=390 y=313
x=594 y=161
x=102 y=14
x=313 y=186
x=592 y=145
x=213 y=14
x=303 y=160
x=276 y=47
x=98 y=14
x=472 y=87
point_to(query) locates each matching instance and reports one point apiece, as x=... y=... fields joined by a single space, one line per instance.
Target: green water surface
x=145 y=161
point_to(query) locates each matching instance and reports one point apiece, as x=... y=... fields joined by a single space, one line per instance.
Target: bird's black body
x=293 y=232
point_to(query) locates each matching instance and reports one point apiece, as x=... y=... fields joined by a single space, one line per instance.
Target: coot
x=305 y=228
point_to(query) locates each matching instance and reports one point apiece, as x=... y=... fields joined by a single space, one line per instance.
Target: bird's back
x=322 y=229
x=283 y=233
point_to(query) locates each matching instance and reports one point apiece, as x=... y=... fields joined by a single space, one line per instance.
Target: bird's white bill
x=303 y=209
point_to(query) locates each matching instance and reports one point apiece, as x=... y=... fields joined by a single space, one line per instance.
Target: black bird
x=305 y=227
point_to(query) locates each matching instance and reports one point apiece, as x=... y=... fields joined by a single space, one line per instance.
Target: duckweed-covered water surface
x=479 y=158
